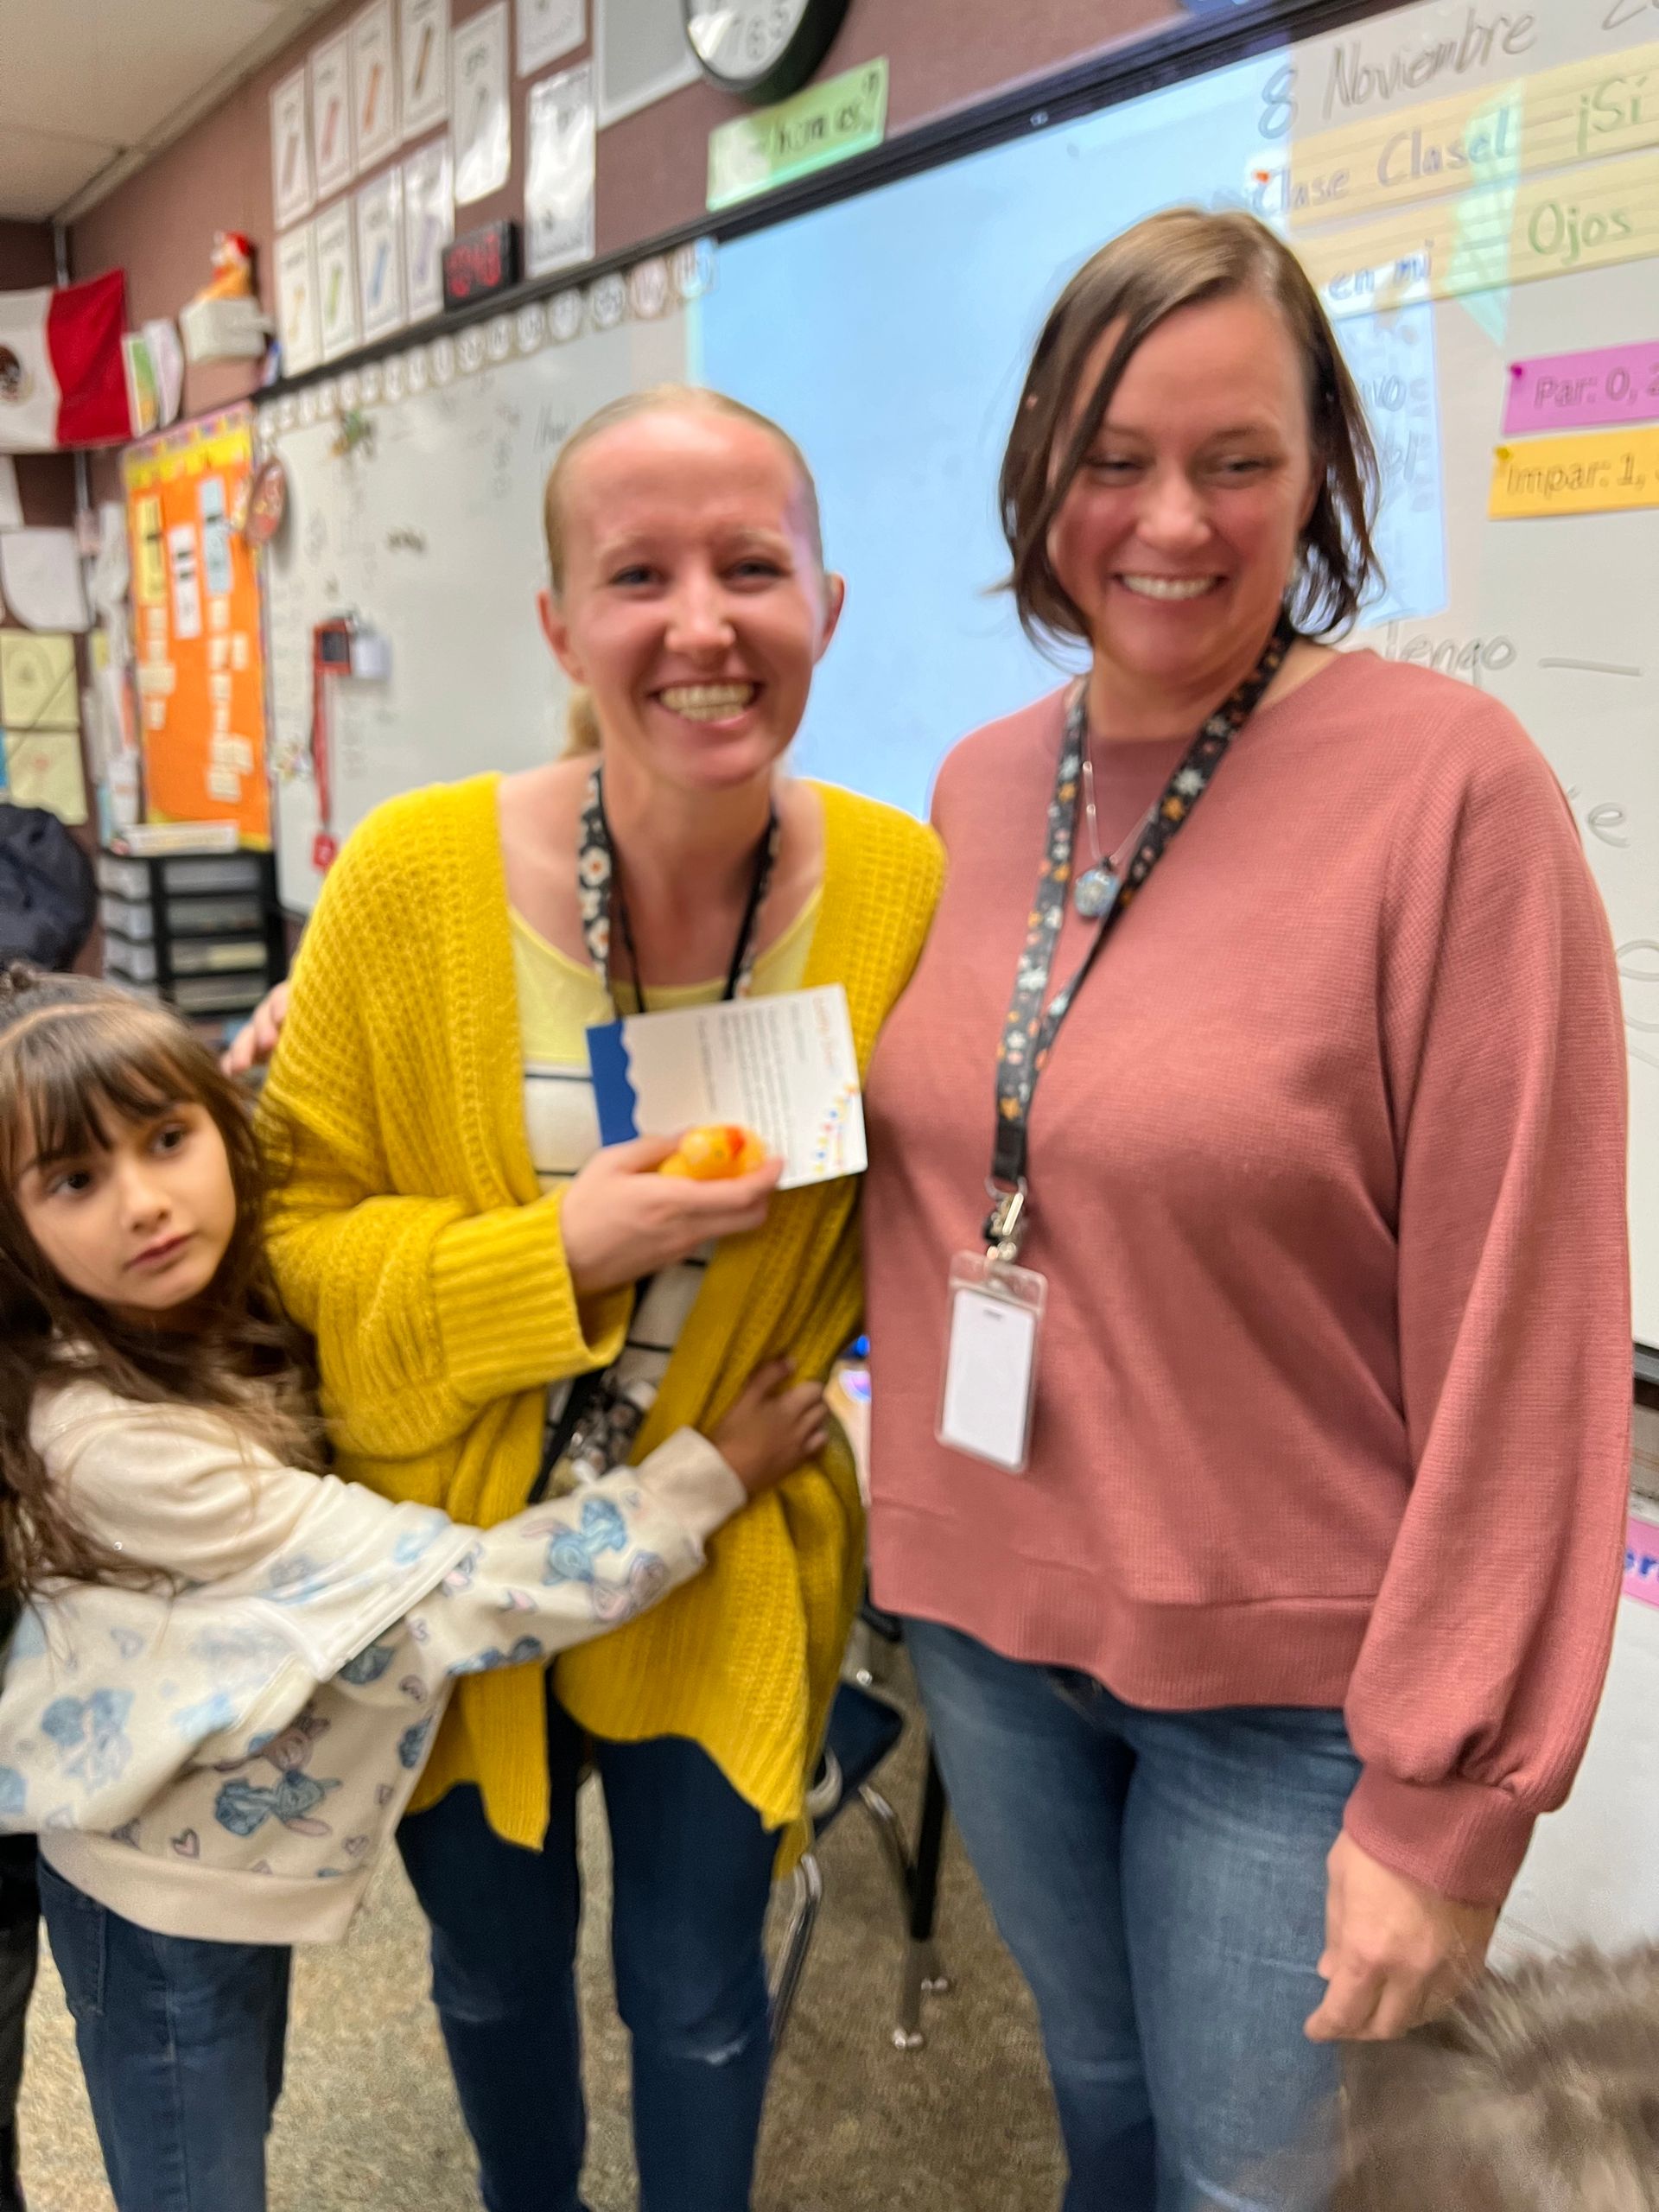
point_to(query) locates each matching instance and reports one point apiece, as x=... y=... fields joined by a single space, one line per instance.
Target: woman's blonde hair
x=582 y=730
x=1169 y=261
x=76 y=1057
x=1539 y=2094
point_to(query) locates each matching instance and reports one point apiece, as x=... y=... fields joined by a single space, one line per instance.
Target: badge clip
x=1005 y=1223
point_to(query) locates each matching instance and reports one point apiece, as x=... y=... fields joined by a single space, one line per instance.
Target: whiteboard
x=1592 y=1875
x=430 y=532
x=902 y=395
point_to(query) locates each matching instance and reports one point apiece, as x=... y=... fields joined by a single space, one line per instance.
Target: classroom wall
x=652 y=165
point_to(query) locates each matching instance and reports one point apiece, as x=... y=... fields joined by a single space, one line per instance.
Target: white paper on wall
x=40 y=582
x=297 y=305
x=292 y=191
x=424 y=64
x=336 y=280
x=428 y=225
x=483 y=128
x=374 y=86
x=559 y=172
x=331 y=113
x=549 y=29
x=380 y=254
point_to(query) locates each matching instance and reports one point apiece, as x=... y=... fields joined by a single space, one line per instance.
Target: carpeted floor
x=369 y=2118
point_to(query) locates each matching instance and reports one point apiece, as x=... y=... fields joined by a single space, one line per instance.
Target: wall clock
x=761 y=50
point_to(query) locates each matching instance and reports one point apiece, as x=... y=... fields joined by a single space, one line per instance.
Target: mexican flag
x=61 y=378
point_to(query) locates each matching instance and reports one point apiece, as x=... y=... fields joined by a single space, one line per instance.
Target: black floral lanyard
x=600 y=889
x=1029 y=1033
x=593 y=1426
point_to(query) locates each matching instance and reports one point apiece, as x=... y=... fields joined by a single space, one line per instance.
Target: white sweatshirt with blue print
x=224 y=1757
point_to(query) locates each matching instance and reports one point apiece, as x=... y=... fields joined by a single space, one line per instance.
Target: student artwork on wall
x=424 y=64
x=482 y=130
x=428 y=225
x=37 y=682
x=200 y=671
x=331 y=113
x=298 y=325
x=43 y=768
x=374 y=86
x=336 y=281
x=380 y=254
x=291 y=193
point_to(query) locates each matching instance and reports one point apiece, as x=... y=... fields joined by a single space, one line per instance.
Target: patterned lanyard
x=599 y=888
x=592 y=1426
x=1029 y=1033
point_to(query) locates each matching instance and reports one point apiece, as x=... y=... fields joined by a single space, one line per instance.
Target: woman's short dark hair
x=1169 y=261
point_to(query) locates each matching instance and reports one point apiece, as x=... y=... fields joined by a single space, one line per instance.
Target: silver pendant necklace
x=1095 y=891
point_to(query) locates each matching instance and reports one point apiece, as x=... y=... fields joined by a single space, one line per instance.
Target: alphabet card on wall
x=428 y=225
x=424 y=58
x=374 y=86
x=337 y=280
x=291 y=192
x=298 y=325
x=331 y=113
x=483 y=130
x=380 y=253
x=549 y=29
x=559 y=172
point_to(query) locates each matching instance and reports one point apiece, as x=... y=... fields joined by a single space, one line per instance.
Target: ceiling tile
x=113 y=66
x=115 y=75
x=39 y=172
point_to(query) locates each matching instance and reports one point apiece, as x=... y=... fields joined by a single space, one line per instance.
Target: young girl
x=231 y=1665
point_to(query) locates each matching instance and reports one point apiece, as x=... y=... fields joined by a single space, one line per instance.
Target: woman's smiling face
x=1178 y=536
x=694 y=606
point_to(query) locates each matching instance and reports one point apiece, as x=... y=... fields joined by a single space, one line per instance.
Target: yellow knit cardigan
x=408 y=1235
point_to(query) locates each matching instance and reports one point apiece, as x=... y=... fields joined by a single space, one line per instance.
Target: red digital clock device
x=483 y=262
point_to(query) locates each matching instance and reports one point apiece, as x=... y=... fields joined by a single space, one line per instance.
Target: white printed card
x=784 y=1067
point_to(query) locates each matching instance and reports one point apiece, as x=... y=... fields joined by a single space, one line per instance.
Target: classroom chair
x=863 y=1729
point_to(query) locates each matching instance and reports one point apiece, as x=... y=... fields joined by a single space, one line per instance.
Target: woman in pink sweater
x=1249 y=1689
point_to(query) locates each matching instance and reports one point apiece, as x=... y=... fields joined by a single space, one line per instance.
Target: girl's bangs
x=76 y=1074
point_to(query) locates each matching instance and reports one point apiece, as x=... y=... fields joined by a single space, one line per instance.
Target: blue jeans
x=691 y=1875
x=1160 y=1879
x=182 y=2045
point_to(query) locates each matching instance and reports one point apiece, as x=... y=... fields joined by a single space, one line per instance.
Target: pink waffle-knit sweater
x=1328 y=1185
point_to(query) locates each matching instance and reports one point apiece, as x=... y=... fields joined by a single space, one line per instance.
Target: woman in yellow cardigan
x=447 y=1230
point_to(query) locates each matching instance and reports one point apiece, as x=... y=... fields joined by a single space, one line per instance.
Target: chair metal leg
x=894 y=1849
x=869 y=1657
x=797 y=1941
x=918 y=1882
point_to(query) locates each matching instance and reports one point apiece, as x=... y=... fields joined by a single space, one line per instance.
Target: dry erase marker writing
x=373 y=99
x=328 y=128
x=382 y=255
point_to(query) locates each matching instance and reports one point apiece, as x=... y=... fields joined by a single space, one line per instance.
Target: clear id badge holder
x=991 y=1345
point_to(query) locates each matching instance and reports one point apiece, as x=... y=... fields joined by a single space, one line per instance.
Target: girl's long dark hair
x=77 y=1057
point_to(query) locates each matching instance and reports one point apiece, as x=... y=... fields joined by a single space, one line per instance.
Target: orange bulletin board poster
x=195 y=610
